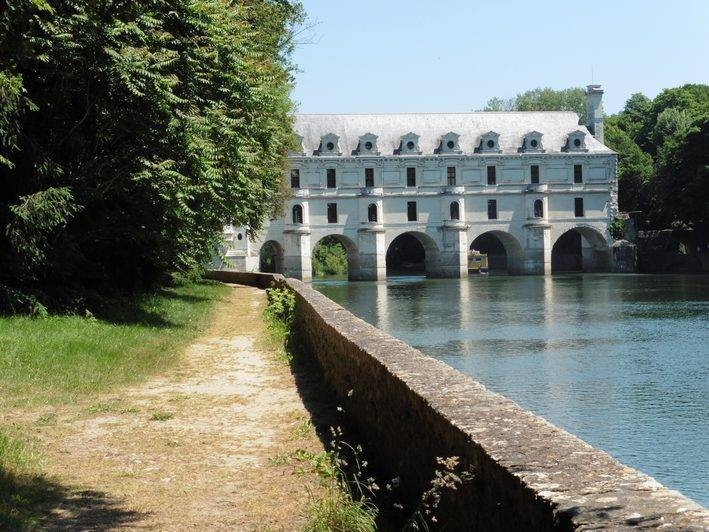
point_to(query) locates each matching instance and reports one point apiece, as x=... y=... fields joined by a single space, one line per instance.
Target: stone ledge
x=529 y=474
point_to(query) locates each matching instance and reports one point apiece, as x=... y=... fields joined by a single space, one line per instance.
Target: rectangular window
x=578 y=173
x=451 y=176
x=332 y=213
x=331 y=178
x=578 y=207
x=295 y=178
x=411 y=211
x=535 y=173
x=369 y=177
x=492 y=209
x=491 y=175
x=411 y=177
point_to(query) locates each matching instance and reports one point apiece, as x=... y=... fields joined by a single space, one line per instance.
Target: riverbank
x=196 y=442
x=411 y=411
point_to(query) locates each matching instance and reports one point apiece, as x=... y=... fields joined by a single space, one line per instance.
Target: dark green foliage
x=132 y=131
x=635 y=167
x=663 y=156
x=329 y=258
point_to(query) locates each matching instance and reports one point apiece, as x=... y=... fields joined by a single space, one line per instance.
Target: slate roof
x=512 y=127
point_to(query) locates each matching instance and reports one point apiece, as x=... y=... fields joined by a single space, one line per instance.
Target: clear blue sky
x=407 y=56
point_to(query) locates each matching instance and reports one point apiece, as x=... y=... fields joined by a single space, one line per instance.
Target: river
x=621 y=361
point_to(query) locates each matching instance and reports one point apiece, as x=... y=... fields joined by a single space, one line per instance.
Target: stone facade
x=446 y=179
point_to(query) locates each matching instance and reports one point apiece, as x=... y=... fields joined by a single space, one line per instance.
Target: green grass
x=63 y=359
x=59 y=359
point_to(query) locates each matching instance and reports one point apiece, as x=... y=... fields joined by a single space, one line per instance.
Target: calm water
x=620 y=361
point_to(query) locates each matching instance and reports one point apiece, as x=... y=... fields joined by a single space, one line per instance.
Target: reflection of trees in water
x=406 y=256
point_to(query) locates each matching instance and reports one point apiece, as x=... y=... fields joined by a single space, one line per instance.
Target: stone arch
x=505 y=253
x=353 y=265
x=270 y=257
x=581 y=249
x=413 y=253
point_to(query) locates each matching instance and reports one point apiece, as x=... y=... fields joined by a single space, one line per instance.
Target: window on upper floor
x=295 y=178
x=297 y=214
x=411 y=211
x=492 y=175
x=578 y=207
x=492 y=209
x=332 y=213
x=578 y=173
x=372 y=212
x=411 y=177
x=455 y=210
x=534 y=171
x=369 y=177
x=450 y=172
x=331 y=178
x=538 y=208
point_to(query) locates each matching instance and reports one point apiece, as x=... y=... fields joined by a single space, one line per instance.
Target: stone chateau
x=535 y=191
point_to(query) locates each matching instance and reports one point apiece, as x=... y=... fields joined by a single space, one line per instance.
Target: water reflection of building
x=534 y=191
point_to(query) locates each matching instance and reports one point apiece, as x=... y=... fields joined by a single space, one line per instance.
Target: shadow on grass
x=128 y=312
x=35 y=503
x=327 y=413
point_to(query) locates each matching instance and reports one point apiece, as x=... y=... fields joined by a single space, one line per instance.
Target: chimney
x=594 y=107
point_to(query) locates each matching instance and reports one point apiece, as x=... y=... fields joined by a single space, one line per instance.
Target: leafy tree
x=635 y=168
x=329 y=257
x=544 y=99
x=132 y=131
x=681 y=190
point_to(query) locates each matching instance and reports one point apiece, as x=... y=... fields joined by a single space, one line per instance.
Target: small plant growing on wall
x=617 y=229
x=279 y=315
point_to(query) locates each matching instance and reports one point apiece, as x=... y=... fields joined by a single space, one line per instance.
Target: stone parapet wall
x=410 y=409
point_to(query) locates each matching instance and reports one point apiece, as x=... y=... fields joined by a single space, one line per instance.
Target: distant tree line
x=662 y=146
x=329 y=258
x=130 y=133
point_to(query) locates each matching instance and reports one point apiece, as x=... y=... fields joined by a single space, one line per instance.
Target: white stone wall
x=514 y=193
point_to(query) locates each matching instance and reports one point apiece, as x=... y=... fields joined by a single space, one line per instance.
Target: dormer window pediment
x=409 y=145
x=450 y=143
x=576 y=142
x=367 y=145
x=532 y=143
x=489 y=143
x=298 y=148
x=329 y=145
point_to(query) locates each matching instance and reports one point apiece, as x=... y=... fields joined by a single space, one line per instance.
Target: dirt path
x=197 y=448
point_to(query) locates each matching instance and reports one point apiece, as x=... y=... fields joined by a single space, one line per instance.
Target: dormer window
x=409 y=145
x=367 y=145
x=489 y=143
x=298 y=148
x=449 y=143
x=329 y=145
x=576 y=141
x=532 y=143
